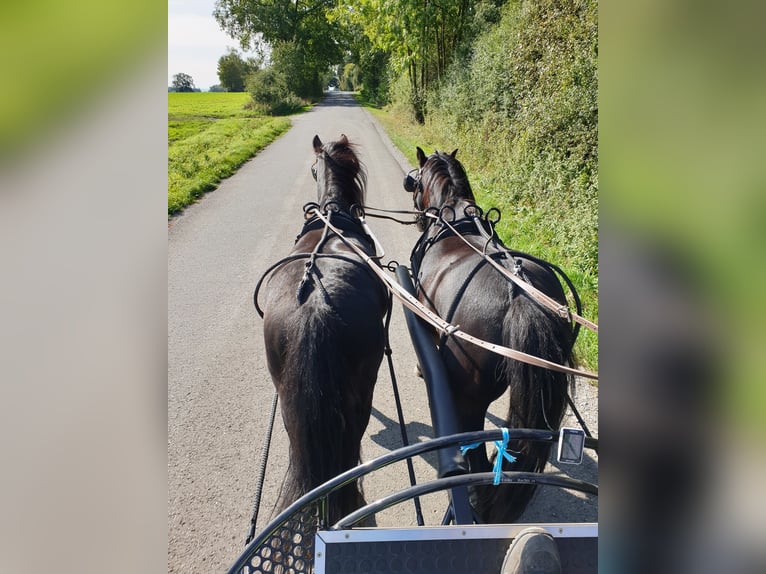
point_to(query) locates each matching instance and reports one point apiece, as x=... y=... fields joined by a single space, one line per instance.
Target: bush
x=402 y=100
x=523 y=104
x=270 y=93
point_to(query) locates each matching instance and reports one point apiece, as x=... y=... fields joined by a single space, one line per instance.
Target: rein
x=562 y=310
x=399 y=211
x=445 y=327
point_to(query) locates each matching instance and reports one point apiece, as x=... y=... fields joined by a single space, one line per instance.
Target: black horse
x=324 y=334
x=463 y=288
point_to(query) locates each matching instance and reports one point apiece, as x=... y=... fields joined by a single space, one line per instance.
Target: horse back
x=464 y=289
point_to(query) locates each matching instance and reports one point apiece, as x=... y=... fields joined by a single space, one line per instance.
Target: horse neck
x=446 y=192
x=456 y=203
x=455 y=211
x=336 y=195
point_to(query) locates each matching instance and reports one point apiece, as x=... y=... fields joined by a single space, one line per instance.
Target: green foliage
x=209 y=136
x=183 y=83
x=401 y=95
x=525 y=105
x=420 y=38
x=304 y=42
x=373 y=65
x=271 y=94
x=294 y=64
x=233 y=71
x=521 y=106
x=349 y=80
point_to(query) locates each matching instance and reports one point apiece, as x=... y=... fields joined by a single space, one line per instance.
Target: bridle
x=414 y=185
x=325 y=157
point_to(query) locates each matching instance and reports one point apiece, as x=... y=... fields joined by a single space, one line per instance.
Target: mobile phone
x=571 y=445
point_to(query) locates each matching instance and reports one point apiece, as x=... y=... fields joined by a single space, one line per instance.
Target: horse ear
x=453 y=154
x=343 y=139
x=421 y=157
x=317 y=144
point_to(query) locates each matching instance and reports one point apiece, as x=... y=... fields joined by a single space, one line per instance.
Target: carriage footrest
x=454 y=549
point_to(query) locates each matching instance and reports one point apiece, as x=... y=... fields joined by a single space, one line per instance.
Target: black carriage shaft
x=450 y=461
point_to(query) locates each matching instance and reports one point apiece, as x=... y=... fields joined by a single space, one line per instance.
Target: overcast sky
x=195 y=41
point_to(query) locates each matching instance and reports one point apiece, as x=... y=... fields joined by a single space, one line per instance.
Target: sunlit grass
x=209 y=104
x=210 y=135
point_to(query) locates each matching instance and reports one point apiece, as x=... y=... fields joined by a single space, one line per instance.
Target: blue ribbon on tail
x=502 y=453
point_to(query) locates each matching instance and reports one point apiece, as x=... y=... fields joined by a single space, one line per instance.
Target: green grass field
x=210 y=135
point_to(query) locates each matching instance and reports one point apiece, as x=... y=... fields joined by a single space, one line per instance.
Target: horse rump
x=538 y=400
x=323 y=362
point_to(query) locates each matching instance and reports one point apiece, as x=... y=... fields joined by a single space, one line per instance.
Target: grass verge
x=210 y=135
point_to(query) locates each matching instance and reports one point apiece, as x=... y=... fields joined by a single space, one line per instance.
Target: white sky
x=195 y=41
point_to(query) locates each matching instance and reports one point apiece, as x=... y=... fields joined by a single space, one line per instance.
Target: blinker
x=411 y=183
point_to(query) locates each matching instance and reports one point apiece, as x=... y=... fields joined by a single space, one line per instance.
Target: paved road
x=219 y=390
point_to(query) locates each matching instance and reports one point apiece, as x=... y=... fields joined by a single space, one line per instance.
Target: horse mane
x=446 y=179
x=346 y=174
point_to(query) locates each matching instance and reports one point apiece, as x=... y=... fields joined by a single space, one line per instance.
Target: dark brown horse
x=324 y=334
x=464 y=289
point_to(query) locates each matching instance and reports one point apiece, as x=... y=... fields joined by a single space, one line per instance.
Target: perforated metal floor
x=289 y=550
x=457 y=550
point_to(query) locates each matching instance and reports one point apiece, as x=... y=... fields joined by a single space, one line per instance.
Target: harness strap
x=345 y=223
x=562 y=310
x=399 y=211
x=294 y=257
x=262 y=469
x=309 y=270
x=399 y=412
x=443 y=326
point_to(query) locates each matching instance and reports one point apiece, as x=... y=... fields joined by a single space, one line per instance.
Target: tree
x=183 y=83
x=419 y=37
x=349 y=81
x=305 y=43
x=233 y=71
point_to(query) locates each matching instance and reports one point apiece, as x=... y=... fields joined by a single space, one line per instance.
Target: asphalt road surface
x=219 y=389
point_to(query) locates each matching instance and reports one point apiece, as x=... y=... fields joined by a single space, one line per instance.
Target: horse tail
x=538 y=398
x=311 y=388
